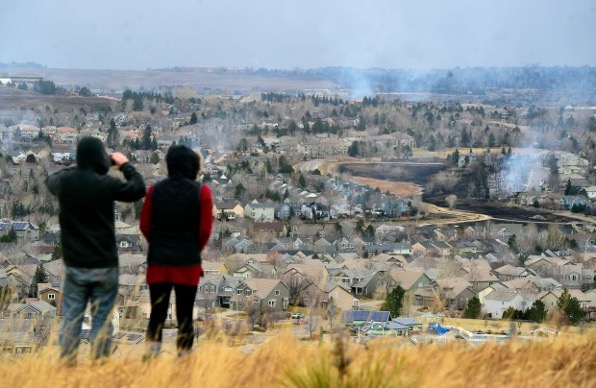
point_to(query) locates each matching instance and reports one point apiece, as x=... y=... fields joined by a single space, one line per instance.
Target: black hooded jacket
x=175 y=219
x=86 y=195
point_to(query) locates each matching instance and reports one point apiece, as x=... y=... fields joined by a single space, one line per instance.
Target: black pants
x=160 y=301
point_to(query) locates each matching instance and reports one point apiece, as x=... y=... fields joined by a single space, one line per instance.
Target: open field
x=227 y=80
x=15 y=99
x=286 y=362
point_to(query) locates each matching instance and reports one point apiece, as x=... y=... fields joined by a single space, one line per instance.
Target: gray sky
x=286 y=34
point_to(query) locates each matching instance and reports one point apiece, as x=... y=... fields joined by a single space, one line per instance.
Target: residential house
x=17 y=343
x=131 y=286
x=550 y=300
x=270 y=230
x=270 y=294
x=571 y=275
x=208 y=292
x=227 y=211
x=30 y=310
x=17 y=280
x=316 y=273
x=408 y=279
x=26 y=231
x=423 y=248
x=479 y=273
x=227 y=289
x=465 y=247
x=255 y=270
x=498 y=301
x=66 y=135
x=533 y=285
x=509 y=272
x=454 y=293
x=591 y=192
x=128 y=242
x=259 y=212
x=490 y=288
x=214 y=267
x=340 y=296
x=52 y=294
x=366 y=284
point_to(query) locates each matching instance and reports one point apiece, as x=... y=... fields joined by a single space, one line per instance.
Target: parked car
x=297 y=316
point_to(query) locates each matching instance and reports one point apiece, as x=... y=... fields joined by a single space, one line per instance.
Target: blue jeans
x=99 y=288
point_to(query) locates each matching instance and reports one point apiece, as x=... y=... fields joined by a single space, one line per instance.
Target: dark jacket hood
x=91 y=155
x=182 y=162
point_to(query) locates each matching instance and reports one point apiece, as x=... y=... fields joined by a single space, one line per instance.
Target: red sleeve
x=145 y=223
x=206 y=203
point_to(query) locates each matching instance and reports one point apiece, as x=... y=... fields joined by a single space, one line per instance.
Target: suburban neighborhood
x=296 y=231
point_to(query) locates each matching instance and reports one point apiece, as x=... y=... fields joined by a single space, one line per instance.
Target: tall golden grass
x=287 y=362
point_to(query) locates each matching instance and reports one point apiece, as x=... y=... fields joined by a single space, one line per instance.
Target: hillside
x=286 y=362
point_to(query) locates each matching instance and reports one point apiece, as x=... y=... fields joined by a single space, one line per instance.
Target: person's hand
x=119 y=158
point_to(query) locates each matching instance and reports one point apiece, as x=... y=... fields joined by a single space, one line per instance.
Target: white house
x=498 y=301
x=259 y=212
x=591 y=192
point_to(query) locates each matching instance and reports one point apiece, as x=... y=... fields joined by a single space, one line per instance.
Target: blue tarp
x=441 y=330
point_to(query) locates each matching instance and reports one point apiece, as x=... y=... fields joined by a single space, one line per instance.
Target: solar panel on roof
x=360 y=315
x=380 y=316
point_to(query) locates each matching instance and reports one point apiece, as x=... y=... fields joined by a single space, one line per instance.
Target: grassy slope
x=287 y=362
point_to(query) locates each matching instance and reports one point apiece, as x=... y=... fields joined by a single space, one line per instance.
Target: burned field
x=418 y=173
x=421 y=173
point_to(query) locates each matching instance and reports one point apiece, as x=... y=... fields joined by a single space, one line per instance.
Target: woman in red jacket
x=176 y=220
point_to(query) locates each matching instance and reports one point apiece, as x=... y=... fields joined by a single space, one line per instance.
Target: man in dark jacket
x=86 y=194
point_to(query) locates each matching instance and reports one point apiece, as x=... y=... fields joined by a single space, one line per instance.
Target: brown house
x=52 y=294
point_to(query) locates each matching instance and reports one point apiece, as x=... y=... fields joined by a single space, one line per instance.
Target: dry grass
x=287 y=362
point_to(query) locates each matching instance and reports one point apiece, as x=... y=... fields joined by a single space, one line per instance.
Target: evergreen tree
x=193 y=118
x=537 y=312
x=353 y=150
x=113 y=135
x=568 y=187
x=11 y=236
x=571 y=307
x=464 y=140
x=239 y=190
x=147 y=138
x=394 y=301
x=40 y=276
x=455 y=157
x=473 y=309
x=57 y=254
x=491 y=140
x=302 y=181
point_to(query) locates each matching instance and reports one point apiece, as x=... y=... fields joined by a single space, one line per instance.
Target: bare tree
x=209 y=299
x=407 y=303
x=252 y=310
x=296 y=284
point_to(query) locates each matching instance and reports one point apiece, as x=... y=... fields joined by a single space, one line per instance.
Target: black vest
x=175 y=220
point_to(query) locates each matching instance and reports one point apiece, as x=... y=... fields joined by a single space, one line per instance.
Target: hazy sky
x=285 y=34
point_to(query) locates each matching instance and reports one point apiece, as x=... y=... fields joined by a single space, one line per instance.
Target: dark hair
x=183 y=162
